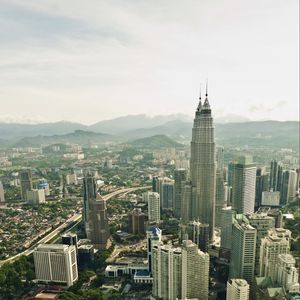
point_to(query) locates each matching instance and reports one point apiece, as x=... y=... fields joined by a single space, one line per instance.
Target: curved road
x=74 y=218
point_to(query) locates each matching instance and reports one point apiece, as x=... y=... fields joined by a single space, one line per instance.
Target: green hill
x=156 y=141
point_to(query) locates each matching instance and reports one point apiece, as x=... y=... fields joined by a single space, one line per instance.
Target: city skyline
x=109 y=59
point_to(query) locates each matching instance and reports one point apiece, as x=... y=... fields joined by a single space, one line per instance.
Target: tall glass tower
x=203 y=166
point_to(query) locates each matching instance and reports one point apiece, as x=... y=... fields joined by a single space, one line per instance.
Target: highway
x=74 y=218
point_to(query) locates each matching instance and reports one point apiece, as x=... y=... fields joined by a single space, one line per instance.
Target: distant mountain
x=80 y=137
x=154 y=142
x=13 y=130
x=133 y=122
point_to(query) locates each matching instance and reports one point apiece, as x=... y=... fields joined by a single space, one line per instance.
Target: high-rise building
x=98 y=222
x=153 y=238
x=180 y=272
x=26 y=183
x=136 y=222
x=166 y=272
x=221 y=196
x=35 y=196
x=153 y=200
x=195 y=272
x=292 y=186
x=243 y=249
x=262 y=185
x=198 y=233
x=167 y=194
x=273 y=183
x=243 y=185
x=271 y=199
x=2 y=198
x=69 y=239
x=89 y=193
x=203 y=166
x=186 y=204
x=180 y=177
x=286 y=274
x=237 y=289
x=56 y=263
x=276 y=242
x=262 y=223
x=227 y=217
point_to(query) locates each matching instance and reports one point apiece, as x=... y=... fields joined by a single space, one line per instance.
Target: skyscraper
x=276 y=242
x=227 y=217
x=203 y=166
x=180 y=176
x=2 y=198
x=243 y=185
x=195 y=272
x=153 y=238
x=136 y=222
x=26 y=183
x=243 y=248
x=237 y=289
x=167 y=194
x=98 y=222
x=153 y=200
x=89 y=193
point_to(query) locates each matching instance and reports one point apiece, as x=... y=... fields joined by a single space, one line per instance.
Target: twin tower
x=199 y=193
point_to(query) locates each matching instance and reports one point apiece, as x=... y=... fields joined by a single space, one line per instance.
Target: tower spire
x=200 y=102
x=206 y=103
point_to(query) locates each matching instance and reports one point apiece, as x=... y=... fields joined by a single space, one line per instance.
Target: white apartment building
x=237 y=289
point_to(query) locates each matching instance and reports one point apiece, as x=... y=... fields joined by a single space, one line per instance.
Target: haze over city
x=65 y=61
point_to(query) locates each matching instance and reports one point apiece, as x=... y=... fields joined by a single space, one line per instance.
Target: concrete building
x=221 y=197
x=153 y=200
x=198 y=233
x=56 y=263
x=243 y=185
x=195 y=272
x=25 y=183
x=243 y=249
x=136 y=222
x=166 y=272
x=271 y=199
x=2 y=198
x=237 y=289
x=89 y=193
x=227 y=217
x=180 y=177
x=286 y=274
x=71 y=179
x=35 y=196
x=44 y=185
x=167 y=194
x=276 y=242
x=203 y=166
x=153 y=238
x=98 y=223
x=262 y=185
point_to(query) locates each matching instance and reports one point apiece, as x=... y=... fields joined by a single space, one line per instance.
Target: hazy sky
x=91 y=60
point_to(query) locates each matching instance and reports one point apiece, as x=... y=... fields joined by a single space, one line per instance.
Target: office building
x=153 y=200
x=153 y=238
x=262 y=185
x=286 y=274
x=55 y=263
x=262 y=223
x=271 y=199
x=35 y=196
x=70 y=239
x=2 y=198
x=167 y=194
x=221 y=196
x=25 y=183
x=136 y=222
x=195 y=272
x=203 y=166
x=243 y=185
x=180 y=177
x=273 y=183
x=89 y=193
x=98 y=223
x=276 y=242
x=44 y=185
x=227 y=217
x=243 y=249
x=237 y=289
x=71 y=179
x=198 y=233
